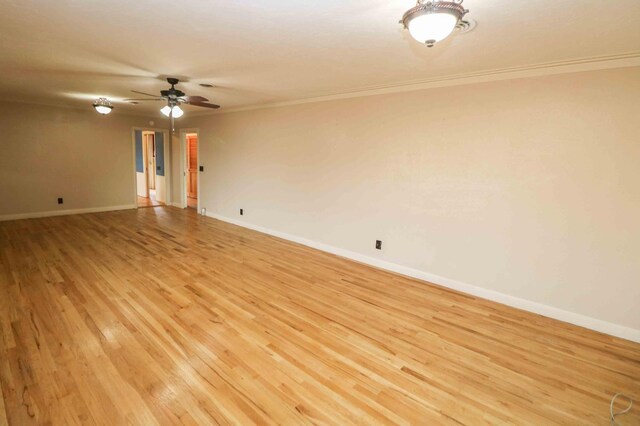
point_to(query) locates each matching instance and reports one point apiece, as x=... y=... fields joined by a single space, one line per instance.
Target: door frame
x=167 y=161
x=183 y=166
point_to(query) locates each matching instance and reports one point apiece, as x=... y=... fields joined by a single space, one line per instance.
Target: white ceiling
x=72 y=51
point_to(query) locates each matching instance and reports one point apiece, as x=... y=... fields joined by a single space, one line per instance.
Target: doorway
x=150 y=179
x=191 y=173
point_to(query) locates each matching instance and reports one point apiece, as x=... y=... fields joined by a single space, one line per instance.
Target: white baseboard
x=516 y=302
x=35 y=215
x=178 y=205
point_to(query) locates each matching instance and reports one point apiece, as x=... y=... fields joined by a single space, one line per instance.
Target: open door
x=192 y=171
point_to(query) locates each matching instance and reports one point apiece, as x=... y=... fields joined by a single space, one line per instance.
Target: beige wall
x=526 y=187
x=177 y=169
x=50 y=152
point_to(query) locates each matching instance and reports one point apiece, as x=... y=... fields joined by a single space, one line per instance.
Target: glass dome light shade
x=103 y=109
x=432 y=27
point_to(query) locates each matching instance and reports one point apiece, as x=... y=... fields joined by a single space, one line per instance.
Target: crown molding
x=630 y=59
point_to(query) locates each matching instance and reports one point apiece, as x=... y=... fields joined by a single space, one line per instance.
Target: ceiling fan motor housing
x=172 y=93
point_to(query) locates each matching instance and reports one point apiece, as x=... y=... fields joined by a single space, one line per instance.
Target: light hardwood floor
x=163 y=316
x=149 y=201
x=192 y=203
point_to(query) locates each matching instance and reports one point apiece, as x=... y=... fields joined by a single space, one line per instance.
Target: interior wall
x=177 y=187
x=525 y=187
x=50 y=152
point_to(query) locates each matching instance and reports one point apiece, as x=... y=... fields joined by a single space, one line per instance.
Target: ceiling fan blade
x=142 y=93
x=157 y=99
x=204 y=105
x=195 y=99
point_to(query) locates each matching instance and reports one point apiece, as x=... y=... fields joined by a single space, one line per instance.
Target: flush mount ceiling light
x=431 y=21
x=103 y=106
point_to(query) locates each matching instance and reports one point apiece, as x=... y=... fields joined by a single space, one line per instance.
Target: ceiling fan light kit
x=103 y=106
x=431 y=21
x=174 y=97
x=174 y=111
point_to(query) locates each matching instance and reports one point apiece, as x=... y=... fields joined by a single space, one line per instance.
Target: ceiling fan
x=174 y=97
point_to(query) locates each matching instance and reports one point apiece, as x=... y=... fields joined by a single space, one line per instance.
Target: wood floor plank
x=162 y=316
x=3 y=410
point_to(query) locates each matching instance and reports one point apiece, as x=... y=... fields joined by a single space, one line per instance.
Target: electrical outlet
x=60 y=200
x=201 y=168
x=378 y=245
x=241 y=212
